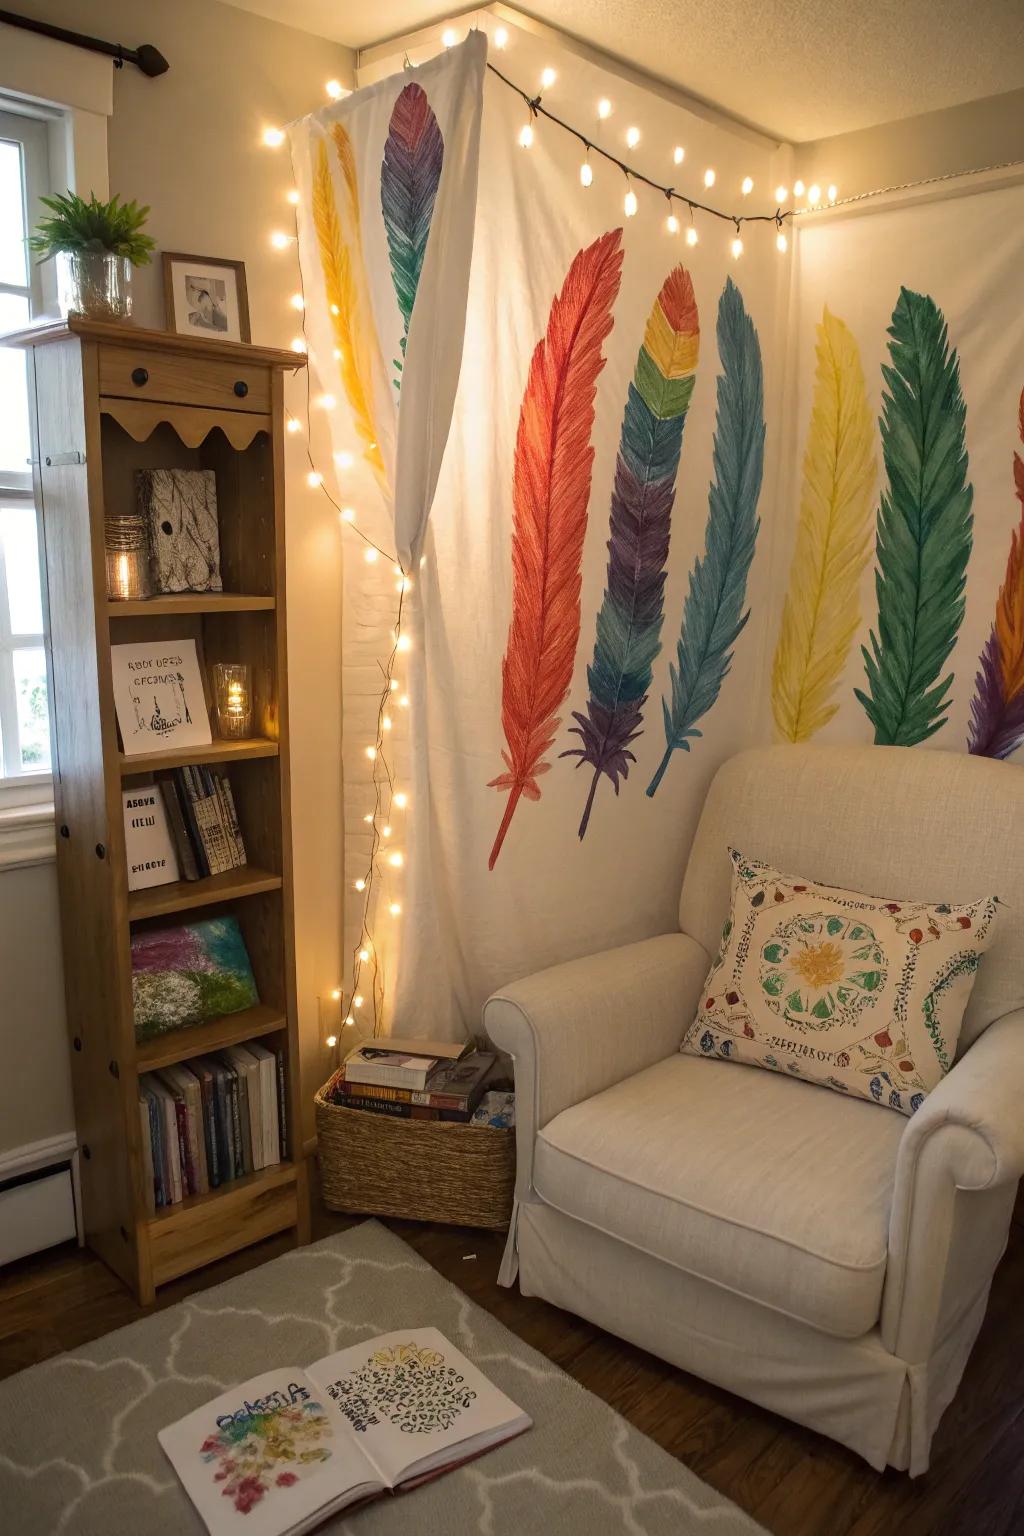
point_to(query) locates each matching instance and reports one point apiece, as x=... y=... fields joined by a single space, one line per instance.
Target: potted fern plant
x=96 y=245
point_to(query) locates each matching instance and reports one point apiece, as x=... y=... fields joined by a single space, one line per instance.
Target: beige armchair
x=822 y=1256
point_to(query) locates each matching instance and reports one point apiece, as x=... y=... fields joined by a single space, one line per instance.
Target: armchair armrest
x=956 y=1176
x=575 y=1029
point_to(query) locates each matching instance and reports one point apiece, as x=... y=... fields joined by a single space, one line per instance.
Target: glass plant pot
x=94 y=283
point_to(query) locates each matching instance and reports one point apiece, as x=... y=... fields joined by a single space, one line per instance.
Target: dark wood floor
x=793 y=1482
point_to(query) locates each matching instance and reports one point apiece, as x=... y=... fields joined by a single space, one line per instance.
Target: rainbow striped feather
x=713 y=612
x=997 y=709
x=409 y=176
x=629 y=621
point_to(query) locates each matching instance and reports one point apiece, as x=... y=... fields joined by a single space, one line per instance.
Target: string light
x=548 y=77
x=814 y=194
x=298 y=344
x=385 y=831
x=395 y=860
x=632 y=137
x=364 y=955
x=292 y=197
x=672 y=224
x=798 y=189
x=736 y=247
x=403 y=643
x=273 y=138
x=678 y=155
x=357 y=1001
x=293 y=425
x=629 y=203
x=279 y=240
x=371 y=753
x=393 y=685
x=297 y=301
x=368 y=818
x=349 y=1020
x=747 y=185
x=691 y=235
x=370 y=556
x=386 y=722
x=604 y=108
x=709 y=177
x=347 y=514
x=314 y=479
x=449 y=37
x=500 y=37
x=395 y=909
x=832 y=193
x=332 y=1041
x=401 y=800
x=781 y=243
x=403 y=702
x=327 y=402
x=781 y=193
x=336 y=995
x=586 y=173
x=526 y=136
x=335 y=90
x=344 y=459
x=360 y=884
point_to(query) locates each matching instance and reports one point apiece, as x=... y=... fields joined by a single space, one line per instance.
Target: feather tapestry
x=997 y=709
x=409 y=177
x=821 y=612
x=713 y=612
x=629 y=621
x=551 y=489
x=341 y=261
x=924 y=535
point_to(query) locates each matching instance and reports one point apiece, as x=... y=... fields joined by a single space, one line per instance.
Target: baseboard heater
x=38 y=1204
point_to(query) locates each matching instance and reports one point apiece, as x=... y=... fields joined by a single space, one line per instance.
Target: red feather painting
x=550 y=493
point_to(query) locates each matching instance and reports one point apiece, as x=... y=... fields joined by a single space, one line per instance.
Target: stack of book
x=203 y=822
x=414 y=1080
x=211 y=1119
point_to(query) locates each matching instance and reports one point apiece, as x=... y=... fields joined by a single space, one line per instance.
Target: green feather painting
x=924 y=531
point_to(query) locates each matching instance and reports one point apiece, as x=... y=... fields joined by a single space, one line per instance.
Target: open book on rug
x=282 y=1452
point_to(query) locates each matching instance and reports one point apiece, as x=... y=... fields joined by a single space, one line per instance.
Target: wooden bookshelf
x=109 y=400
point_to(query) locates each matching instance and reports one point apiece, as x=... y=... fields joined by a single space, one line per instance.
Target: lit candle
x=233 y=699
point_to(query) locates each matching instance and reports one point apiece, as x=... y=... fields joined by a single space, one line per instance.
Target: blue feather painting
x=713 y=615
x=629 y=621
x=409 y=176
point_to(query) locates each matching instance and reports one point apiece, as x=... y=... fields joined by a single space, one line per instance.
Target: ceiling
x=801 y=69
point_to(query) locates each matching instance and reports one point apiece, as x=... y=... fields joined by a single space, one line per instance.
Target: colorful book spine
x=179 y=831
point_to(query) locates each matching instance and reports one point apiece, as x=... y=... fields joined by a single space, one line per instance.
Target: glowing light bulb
x=273 y=138
x=336 y=994
x=368 y=818
x=385 y=831
x=335 y=310
x=401 y=800
x=449 y=37
x=349 y=1020
x=736 y=247
x=747 y=185
x=548 y=77
x=298 y=344
x=781 y=193
x=386 y=722
x=357 y=1001
x=297 y=301
x=781 y=243
x=334 y=89
x=798 y=189
x=586 y=174
x=604 y=108
x=832 y=193
x=632 y=137
x=293 y=425
x=678 y=155
x=691 y=235
x=709 y=177
x=525 y=136
x=371 y=753
x=332 y=1041
x=629 y=204
x=292 y=197
x=672 y=224
x=404 y=643
x=348 y=514
x=393 y=685
x=403 y=702
x=344 y=459
x=327 y=402
x=360 y=885
x=395 y=860
x=814 y=194
x=370 y=556
x=314 y=479
x=279 y=240
x=500 y=37
x=364 y=955
x=395 y=909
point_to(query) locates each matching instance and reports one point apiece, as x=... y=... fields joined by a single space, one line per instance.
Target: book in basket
x=284 y=1451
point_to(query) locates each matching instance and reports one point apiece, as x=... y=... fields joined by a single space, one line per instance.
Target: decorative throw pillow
x=858 y=994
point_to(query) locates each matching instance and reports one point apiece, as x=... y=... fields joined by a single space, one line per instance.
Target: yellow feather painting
x=821 y=613
x=341 y=262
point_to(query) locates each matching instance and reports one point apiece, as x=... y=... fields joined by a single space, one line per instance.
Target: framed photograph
x=205 y=296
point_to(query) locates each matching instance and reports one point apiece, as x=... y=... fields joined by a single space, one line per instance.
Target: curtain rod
x=149 y=59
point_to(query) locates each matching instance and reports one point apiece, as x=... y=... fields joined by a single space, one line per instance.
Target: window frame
x=18 y=787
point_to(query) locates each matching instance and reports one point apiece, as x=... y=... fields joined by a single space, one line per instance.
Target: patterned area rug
x=79 y=1453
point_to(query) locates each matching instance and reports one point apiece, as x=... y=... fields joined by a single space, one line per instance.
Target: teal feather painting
x=924 y=532
x=713 y=613
x=409 y=177
x=189 y=974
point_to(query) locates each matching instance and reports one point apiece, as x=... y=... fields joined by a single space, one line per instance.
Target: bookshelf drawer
x=139 y=374
x=203 y=1228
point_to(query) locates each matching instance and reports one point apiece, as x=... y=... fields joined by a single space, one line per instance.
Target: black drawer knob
x=241 y=388
x=140 y=376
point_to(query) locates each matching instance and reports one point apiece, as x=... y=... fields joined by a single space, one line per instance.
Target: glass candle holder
x=126 y=540
x=232 y=699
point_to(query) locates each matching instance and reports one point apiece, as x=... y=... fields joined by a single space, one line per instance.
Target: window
x=24 y=715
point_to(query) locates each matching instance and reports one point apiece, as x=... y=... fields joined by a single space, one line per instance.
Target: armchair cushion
x=753 y=1181
x=861 y=994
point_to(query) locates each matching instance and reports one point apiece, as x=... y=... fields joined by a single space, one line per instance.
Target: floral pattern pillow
x=855 y=993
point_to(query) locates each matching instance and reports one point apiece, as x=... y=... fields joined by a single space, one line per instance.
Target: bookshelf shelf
x=185 y=895
x=179 y=1044
x=190 y=602
x=85 y=462
x=217 y=752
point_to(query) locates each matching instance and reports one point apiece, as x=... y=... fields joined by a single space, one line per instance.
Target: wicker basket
x=426 y=1170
